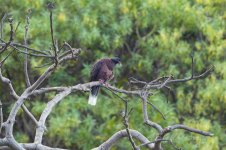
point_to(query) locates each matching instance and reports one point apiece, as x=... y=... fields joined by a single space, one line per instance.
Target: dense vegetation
x=153 y=38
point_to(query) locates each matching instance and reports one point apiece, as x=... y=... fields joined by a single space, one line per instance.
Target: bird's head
x=116 y=60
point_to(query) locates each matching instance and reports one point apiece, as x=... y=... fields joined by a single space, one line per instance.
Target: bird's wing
x=105 y=73
x=95 y=70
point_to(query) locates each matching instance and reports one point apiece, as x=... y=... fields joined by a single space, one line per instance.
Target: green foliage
x=154 y=38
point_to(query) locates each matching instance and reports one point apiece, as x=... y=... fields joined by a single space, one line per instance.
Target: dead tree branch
x=123 y=133
x=126 y=124
x=1 y=116
x=28 y=83
x=40 y=129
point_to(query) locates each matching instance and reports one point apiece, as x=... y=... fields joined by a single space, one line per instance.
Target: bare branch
x=3 y=142
x=17 y=26
x=153 y=106
x=5 y=47
x=180 y=126
x=14 y=94
x=46 y=112
x=31 y=54
x=35 y=146
x=28 y=83
x=52 y=36
x=15 y=45
x=11 y=30
x=122 y=133
x=2 y=21
x=145 y=115
x=28 y=48
x=124 y=100
x=2 y=62
x=126 y=124
x=8 y=82
x=1 y=116
x=135 y=81
x=29 y=114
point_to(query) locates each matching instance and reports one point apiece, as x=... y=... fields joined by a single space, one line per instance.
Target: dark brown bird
x=102 y=71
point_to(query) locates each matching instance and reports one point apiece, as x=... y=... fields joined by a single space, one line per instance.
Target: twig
x=27 y=80
x=11 y=29
x=174 y=146
x=1 y=116
x=181 y=126
x=135 y=81
x=31 y=54
x=28 y=48
x=126 y=124
x=2 y=21
x=192 y=65
x=153 y=106
x=17 y=27
x=1 y=63
x=5 y=47
x=52 y=36
x=44 y=65
x=145 y=114
x=124 y=100
x=29 y=114
x=165 y=82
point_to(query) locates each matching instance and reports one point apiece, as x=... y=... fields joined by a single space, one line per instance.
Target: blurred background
x=154 y=38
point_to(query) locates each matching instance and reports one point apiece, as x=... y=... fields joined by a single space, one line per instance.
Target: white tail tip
x=92 y=99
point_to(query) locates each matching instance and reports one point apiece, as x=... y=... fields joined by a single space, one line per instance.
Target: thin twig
x=174 y=146
x=1 y=117
x=126 y=124
x=5 y=47
x=29 y=114
x=52 y=37
x=28 y=48
x=124 y=100
x=181 y=126
x=2 y=22
x=44 y=65
x=144 y=97
x=31 y=54
x=2 y=62
x=192 y=65
x=153 y=106
x=17 y=26
x=11 y=29
x=27 y=80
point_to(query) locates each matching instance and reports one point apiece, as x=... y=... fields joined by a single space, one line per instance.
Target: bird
x=101 y=71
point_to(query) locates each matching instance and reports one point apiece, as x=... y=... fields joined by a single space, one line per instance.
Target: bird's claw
x=101 y=81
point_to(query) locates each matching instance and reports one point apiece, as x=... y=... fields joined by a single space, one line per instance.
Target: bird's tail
x=93 y=95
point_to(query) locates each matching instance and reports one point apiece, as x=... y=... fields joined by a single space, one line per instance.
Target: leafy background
x=153 y=38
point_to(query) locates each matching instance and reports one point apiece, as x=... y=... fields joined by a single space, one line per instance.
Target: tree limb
x=40 y=129
x=123 y=133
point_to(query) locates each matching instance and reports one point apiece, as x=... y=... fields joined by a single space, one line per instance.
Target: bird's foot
x=101 y=81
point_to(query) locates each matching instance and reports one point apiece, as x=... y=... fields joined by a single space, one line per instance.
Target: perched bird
x=101 y=71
